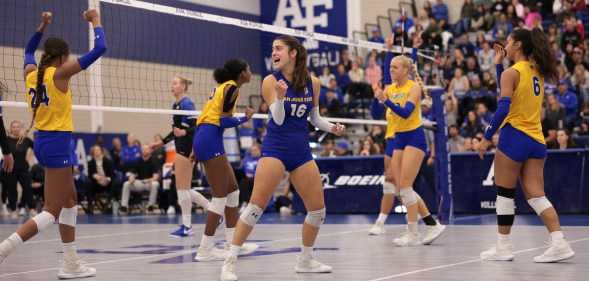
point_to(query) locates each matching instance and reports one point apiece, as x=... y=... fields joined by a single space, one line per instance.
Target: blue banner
x=320 y=16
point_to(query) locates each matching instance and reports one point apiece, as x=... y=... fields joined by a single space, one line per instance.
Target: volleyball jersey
x=399 y=96
x=292 y=137
x=55 y=111
x=214 y=105
x=390 y=134
x=181 y=121
x=526 y=102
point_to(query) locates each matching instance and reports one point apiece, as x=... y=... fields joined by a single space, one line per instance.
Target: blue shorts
x=390 y=147
x=53 y=149
x=519 y=146
x=414 y=138
x=208 y=142
x=290 y=161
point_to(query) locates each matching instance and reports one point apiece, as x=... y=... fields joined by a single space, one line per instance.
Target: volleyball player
x=293 y=95
x=50 y=101
x=217 y=115
x=183 y=128
x=390 y=190
x=521 y=151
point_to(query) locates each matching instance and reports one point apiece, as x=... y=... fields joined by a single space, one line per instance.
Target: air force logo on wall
x=294 y=10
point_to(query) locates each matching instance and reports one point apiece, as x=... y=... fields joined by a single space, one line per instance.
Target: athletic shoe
x=433 y=232
x=559 y=250
x=245 y=249
x=6 y=248
x=310 y=265
x=211 y=253
x=407 y=238
x=183 y=231
x=22 y=212
x=228 y=270
x=171 y=210
x=72 y=267
x=377 y=229
x=497 y=253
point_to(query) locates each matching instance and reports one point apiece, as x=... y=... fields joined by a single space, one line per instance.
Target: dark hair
x=570 y=143
x=300 y=77
x=54 y=49
x=536 y=46
x=230 y=71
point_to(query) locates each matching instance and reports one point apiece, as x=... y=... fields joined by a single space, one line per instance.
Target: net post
x=442 y=163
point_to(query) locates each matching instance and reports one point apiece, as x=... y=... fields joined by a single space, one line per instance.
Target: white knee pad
x=251 y=215
x=233 y=199
x=389 y=188
x=44 y=220
x=408 y=196
x=315 y=218
x=68 y=216
x=183 y=195
x=539 y=204
x=218 y=205
x=505 y=206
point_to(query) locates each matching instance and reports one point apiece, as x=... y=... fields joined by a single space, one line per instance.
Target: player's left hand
x=338 y=129
x=482 y=147
x=179 y=132
x=8 y=163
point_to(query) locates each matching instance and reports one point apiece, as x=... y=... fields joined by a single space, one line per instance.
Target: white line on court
x=461 y=263
x=98 y=236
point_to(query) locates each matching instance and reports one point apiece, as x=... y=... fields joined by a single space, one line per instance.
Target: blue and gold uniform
x=208 y=138
x=289 y=142
x=390 y=133
x=53 y=121
x=521 y=134
x=409 y=131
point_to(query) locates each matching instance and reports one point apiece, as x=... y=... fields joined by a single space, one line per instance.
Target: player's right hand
x=91 y=15
x=46 y=16
x=281 y=88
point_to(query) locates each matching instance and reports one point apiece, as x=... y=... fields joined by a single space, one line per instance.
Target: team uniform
x=521 y=133
x=53 y=121
x=407 y=132
x=208 y=138
x=289 y=142
x=183 y=144
x=390 y=134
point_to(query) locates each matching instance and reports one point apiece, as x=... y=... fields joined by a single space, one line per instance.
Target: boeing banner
x=318 y=16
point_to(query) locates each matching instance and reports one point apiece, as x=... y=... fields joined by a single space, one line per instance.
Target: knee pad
x=218 y=205
x=233 y=199
x=44 y=220
x=505 y=206
x=68 y=216
x=183 y=195
x=251 y=215
x=408 y=196
x=315 y=218
x=539 y=204
x=389 y=188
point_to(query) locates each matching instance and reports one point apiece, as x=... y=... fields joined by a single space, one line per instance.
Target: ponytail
x=45 y=59
x=536 y=46
x=230 y=71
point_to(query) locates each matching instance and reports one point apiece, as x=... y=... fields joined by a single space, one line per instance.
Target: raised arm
x=30 y=64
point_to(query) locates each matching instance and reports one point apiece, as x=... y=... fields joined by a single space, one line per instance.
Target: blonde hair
x=185 y=81
x=408 y=63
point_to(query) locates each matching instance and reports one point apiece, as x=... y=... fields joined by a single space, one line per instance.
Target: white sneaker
x=228 y=270
x=211 y=253
x=246 y=248
x=72 y=267
x=433 y=232
x=377 y=229
x=171 y=210
x=310 y=265
x=241 y=209
x=559 y=250
x=13 y=215
x=4 y=210
x=407 y=238
x=6 y=248
x=285 y=210
x=22 y=212
x=497 y=253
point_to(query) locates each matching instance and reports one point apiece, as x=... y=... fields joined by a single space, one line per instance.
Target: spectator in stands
x=532 y=16
x=459 y=85
x=575 y=59
x=570 y=102
x=553 y=35
x=159 y=155
x=130 y=154
x=557 y=6
x=504 y=25
x=462 y=26
x=376 y=36
x=451 y=109
x=472 y=68
x=427 y=7
x=143 y=177
x=584 y=115
x=477 y=21
x=555 y=111
x=500 y=6
x=564 y=140
x=373 y=72
x=342 y=148
x=486 y=57
x=116 y=152
x=339 y=93
x=476 y=86
x=101 y=176
x=580 y=80
x=483 y=114
x=459 y=61
x=512 y=16
x=423 y=19
x=518 y=7
x=570 y=35
x=260 y=124
x=548 y=129
x=472 y=125
x=331 y=107
x=440 y=13
x=466 y=46
x=501 y=37
x=328 y=149
x=368 y=148
x=378 y=134
x=434 y=32
x=325 y=76
x=489 y=83
x=455 y=141
x=467 y=145
x=346 y=61
x=356 y=73
x=38 y=182
x=246 y=185
x=342 y=78
x=558 y=52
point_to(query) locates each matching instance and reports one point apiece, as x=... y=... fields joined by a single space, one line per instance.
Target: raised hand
x=46 y=21
x=389 y=42
x=281 y=88
x=338 y=129
x=93 y=17
x=499 y=53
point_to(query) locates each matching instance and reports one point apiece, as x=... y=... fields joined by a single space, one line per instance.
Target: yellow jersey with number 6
x=55 y=111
